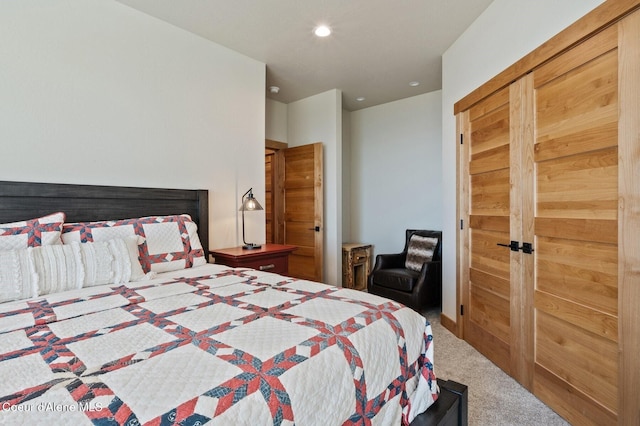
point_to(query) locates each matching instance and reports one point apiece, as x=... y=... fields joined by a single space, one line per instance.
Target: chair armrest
x=429 y=274
x=388 y=261
x=430 y=270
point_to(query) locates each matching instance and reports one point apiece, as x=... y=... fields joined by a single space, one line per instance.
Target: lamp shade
x=250 y=203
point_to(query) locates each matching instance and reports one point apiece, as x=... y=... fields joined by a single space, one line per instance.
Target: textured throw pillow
x=18 y=279
x=106 y=262
x=419 y=251
x=167 y=243
x=37 y=232
x=59 y=268
x=37 y=271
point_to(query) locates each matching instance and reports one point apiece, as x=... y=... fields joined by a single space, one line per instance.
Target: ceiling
x=376 y=49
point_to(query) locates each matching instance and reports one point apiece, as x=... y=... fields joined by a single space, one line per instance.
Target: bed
x=189 y=342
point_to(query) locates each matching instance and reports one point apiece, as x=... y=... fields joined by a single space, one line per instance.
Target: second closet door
x=576 y=230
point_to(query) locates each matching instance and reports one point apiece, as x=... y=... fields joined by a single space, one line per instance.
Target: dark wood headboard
x=84 y=203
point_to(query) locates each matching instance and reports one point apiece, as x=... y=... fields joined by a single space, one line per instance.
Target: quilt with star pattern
x=215 y=345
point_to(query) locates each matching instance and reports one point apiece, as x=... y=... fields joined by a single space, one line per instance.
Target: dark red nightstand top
x=266 y=249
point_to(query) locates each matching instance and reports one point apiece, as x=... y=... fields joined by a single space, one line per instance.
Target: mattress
x=216 y=345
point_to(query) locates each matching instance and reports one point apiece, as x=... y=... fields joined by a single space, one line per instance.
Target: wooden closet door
x=573 y=334
x=576 y=231
x=486 y=265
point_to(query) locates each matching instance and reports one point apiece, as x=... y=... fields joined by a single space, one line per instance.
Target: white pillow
x=111 y=262
x=167 y=243
x=37 y=271
x=137 y=274
x=36 y=232
x=59 y=268
x=18 y=279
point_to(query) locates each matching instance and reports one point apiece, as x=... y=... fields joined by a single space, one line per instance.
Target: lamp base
x=251 y=246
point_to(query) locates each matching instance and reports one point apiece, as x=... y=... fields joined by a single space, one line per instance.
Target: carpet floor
x=494 y=397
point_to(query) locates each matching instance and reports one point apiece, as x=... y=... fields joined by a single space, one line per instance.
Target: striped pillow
x=419 y=251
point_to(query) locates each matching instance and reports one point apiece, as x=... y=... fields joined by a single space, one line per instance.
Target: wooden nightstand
x=356 y=265
x=270 y=257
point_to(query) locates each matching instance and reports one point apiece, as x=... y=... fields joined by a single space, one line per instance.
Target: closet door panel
x=488 y=316
x=576 y=207
x=588 y=270
x=564 y=353
x=579 y=186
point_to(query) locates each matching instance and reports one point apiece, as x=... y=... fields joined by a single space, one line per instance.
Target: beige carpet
x=494 y=397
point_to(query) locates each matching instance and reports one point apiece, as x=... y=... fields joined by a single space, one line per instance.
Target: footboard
x=450 y=409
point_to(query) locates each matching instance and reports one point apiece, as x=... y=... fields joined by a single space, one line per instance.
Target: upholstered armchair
x=413 y=277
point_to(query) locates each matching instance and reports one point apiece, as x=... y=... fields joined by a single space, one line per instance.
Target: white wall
x=346 y=176
x=276 y=121
x=504 y=33
x=95 y=92
x=396 y=171
x=319 y=119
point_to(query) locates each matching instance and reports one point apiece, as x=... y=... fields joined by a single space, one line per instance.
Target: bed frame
x=450 y=409
x=84 y=203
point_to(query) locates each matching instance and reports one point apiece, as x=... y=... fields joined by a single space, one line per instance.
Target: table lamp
x=249 y=203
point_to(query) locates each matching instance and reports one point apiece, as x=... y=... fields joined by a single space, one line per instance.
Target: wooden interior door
x=485 y=144
x=269 y=161
x=303 y=209
x=576 y=231
x=274 y=207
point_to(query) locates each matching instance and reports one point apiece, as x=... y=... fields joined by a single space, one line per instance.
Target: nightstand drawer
x=269 y=258
x=275 y=264
x=360 y=256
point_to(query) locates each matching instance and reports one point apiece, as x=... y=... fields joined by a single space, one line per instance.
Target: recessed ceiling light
x=322 y=31
x=274 y=89
x=414 y=83
x=360 y=98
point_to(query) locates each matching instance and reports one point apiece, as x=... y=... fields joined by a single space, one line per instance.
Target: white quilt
x=214 y=344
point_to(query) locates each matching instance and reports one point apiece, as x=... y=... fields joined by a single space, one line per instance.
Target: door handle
x=317 y=229
x=513 y=245
x=526 y=247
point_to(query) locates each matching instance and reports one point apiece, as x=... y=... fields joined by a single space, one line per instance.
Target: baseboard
x=449 y=324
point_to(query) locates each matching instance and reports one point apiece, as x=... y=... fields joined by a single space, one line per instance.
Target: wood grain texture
x=268 y=195
x=586 y=51
x=462 y=212
x=86 y=203
x=487 y=256
x=520 y=215
x=603 y=230
x=599 y=18
x=450 y=324
x=576 y=179
x=629 y=220
x=490 y=193
x=574 y=183
x=588 y=272
x=488 y=275
x=600 y=323
x=574 y=405
x=568 y=351
x=488 y=344
x=303 y=210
